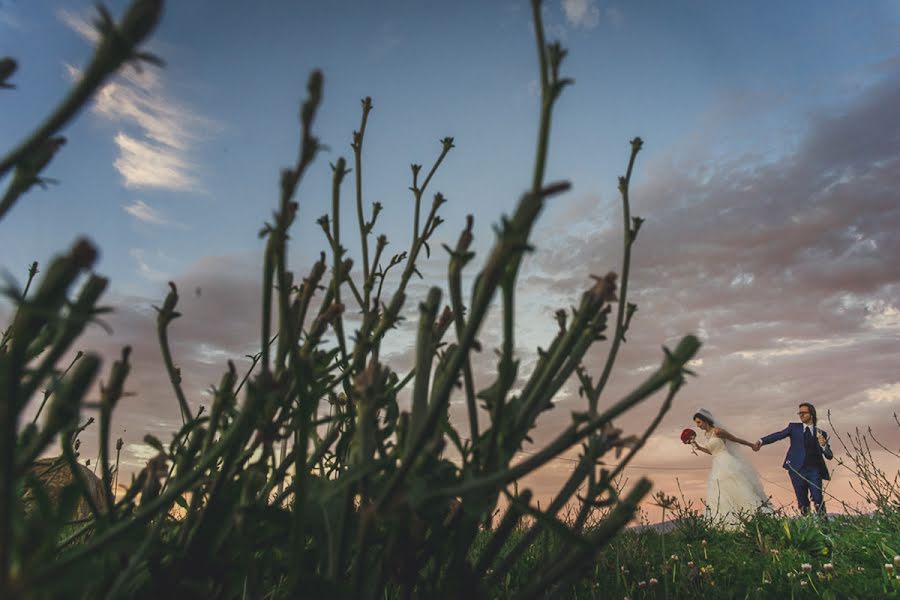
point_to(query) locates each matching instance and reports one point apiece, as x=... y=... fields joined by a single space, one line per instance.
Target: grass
x=770 y=556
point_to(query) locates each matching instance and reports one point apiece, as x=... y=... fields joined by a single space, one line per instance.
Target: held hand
x=756 y=446
x=821 y=438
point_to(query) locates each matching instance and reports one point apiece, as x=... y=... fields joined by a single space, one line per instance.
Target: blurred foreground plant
x=306 y=477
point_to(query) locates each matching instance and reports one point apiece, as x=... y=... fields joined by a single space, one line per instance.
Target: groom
x=805 y=457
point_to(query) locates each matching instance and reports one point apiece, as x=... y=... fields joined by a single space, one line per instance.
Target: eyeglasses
x=803 y=412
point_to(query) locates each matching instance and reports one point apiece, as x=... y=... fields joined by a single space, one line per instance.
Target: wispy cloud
x=888 y=393
x=145 y=213
x=144 y=164
x=79 y=25
x=791 y=347
x=157 y=132
x=145 y=270
x=581 y=13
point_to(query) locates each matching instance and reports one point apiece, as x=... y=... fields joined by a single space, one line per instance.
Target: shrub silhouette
x=279 y=500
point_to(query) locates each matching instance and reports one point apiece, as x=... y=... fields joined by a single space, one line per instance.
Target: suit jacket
x=796 y=454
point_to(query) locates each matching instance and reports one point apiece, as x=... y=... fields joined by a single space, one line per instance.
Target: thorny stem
x=150 y=509
x=48 y=300
x=339 y=172
x=550 y=89
x=77 y=475
x=357 y=145
x=670 y=370
x=416 y=242
x=111 y=395
x=630 y=234
x=49 y=391
x=526 y=213
x=166 y=315
x=459 y=257
x=424 y=353
x=662 y=412
x=32 y=271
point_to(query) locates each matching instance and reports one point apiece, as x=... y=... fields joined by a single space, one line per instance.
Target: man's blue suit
x=805 y=463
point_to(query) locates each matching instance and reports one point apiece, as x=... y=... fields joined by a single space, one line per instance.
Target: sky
x=768 y=183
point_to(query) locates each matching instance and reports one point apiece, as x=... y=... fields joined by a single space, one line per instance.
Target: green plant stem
x=77 y=475
x=147 y=511
x=418 y=241
x=458 y=258
x=49 y=390
x=501 y=534
x=136 y=559
x=339 y=172
x=566 y=355
x=549 y=93
x=166 y=315
x=668 y=372
x=10 y=370
x=424 y=355
x=32 y=271
x=72 y=324
x=111 y=395
x=628 y=240
x=488 y=281
x=357 y=170
x=642 y=441
x=602 y=535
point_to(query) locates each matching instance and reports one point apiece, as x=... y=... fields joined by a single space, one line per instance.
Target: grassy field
x=770 y=556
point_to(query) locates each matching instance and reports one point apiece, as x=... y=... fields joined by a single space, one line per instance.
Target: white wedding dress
x=733 y=488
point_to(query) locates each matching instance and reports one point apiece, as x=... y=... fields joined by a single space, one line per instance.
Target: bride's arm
x=700 y=448
x=719 y=432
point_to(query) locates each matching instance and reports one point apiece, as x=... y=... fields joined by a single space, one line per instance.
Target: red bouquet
x=688 y=435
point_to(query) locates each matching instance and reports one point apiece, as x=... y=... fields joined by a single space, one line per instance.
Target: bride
x=733 y=488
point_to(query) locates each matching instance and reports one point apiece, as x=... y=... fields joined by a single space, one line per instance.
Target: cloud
x=884 y=316
x=144 y=268
x=144 y=164
x=84 y=28
x=137 y=455
x=157 y=133
x=888 y=393
x=219 y=301
x=143 y=212
x=790 y=347
x=785 y=266
x=581 y=13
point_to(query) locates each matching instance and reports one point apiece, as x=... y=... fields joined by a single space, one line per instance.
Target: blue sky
x=768 y=179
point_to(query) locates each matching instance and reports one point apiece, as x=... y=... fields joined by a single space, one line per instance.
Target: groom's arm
x=774 y=437
x=826 y=447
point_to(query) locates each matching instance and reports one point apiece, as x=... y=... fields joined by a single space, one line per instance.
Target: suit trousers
x=807 y=482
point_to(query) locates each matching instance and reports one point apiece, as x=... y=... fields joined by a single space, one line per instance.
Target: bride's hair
x=704 y=416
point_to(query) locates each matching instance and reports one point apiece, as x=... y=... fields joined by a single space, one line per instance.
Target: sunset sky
x=769 y=185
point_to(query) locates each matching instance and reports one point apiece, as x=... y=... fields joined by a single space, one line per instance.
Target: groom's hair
x=812 y=411
x=703 y=417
